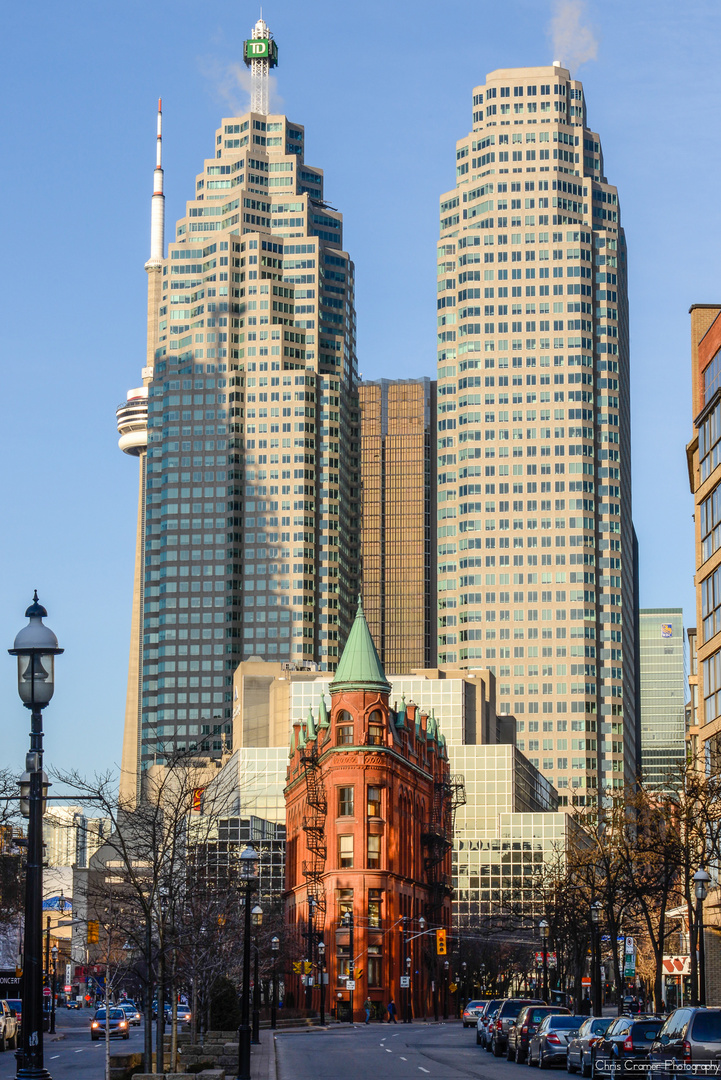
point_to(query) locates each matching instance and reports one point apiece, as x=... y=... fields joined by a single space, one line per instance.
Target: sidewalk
x=262 y=1057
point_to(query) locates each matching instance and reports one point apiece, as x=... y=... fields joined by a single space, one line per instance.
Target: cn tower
x=132 y=420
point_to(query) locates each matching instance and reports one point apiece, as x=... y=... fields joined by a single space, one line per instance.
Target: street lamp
x=274 y=946
x=249 y=880
x=36 y=647
x=596 y=910
x=464 y=992
x=409 y=1006
x=348 y=923
x=257 y=919
x=321 y=965
x=53 y=988
x=545 y=931
x=701 y=880
x=446 y=965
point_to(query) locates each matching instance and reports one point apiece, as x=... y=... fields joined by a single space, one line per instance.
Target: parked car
x=507 y=1015
x=471 y=1013
x=16 y=1004
x=117 y=1022
x=689 y=1042
x=625 y=1047
x=525 y=1027
x=578 y=1058
x=549 y=1043
x=484 y=1019
x=8 y=1027
x=131 y=1011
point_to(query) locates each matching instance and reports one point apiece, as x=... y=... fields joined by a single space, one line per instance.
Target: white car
x=8 y=1027
x=471 y=1013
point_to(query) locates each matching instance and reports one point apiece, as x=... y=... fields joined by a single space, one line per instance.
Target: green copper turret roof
x=310 y=725
x=359 y=667
x=323 y=721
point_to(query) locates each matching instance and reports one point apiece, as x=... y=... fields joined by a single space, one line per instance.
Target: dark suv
x=689 y=1043
x=525 y=1027
x=507 y=1015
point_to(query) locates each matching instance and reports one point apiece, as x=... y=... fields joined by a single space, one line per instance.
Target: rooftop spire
x=260 y=53
x=157 y=206
x=359 y=667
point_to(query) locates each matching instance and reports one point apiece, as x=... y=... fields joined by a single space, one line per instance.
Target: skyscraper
x=662 y=700
x=397 y=543
x=535 y=537
x=246 y=430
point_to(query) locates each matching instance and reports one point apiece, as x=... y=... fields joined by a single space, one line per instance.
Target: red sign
x=46 y=991
x=67 y=989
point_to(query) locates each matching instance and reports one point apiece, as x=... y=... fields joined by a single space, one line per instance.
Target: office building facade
x=397 y=542
x=662 y=700
x=704 y=467
x=246 y=430
x=535 y=536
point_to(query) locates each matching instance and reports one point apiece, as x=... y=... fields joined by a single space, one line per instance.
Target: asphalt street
x=70 y=1054
x=383 y=1052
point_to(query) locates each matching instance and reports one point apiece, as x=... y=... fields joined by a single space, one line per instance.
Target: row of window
x=346 y=801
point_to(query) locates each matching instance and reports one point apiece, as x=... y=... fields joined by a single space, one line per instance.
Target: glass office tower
x=535 y=537
x=662 y=701
x=247 y=531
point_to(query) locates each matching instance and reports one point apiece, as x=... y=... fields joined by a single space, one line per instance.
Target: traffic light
x=93 y=932
x=297 y=967
x=307 y=967
x=441 y=942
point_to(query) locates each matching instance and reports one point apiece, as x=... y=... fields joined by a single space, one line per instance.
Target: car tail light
x=592 y=1042
x=552 y=1037
x=686 y=1051
x=628 y=1042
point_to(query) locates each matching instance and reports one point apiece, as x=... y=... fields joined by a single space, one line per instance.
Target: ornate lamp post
x=464 y=991
x=545 y=930
x=701 y=880
x=596 y=911
x=321 y=971
x=249 y=879
x=348 y=923
x=408 y=1019
x=53 y=988
x=36 y=648
x=275 y=946
x=446 y=966
x=257 y=917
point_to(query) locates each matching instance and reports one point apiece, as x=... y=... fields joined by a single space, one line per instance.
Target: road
x=70 y=1054
x=383 y=1052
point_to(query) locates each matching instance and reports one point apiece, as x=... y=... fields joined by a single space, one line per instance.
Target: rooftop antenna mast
x=260 y=54
x=157 y=213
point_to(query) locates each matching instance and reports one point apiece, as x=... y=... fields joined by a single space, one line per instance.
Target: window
x=342 y=957
x=375 y=965
x=345 y=735
x=711 y=377
x=375 y=899
x=711 y=604
x=345 y=802
x=374 y=853
x=345 y=902
x=709 y=442
x=711 y=523
x=345 y=852
x=375 y=735
x=374 y=802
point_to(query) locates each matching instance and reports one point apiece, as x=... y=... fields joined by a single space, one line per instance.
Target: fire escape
x=437 y=835
x=314 y=827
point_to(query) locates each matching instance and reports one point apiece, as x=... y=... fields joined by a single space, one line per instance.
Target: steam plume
x=231 y=84
x=573 y=42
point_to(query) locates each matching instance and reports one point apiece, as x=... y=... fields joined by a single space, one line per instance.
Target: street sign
x=405 y=980
x=46 y=991
x=68 y=973
x=350 y=984
x=630 y=945
x=67 y=988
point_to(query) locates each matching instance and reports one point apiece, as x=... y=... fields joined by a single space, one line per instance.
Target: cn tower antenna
x=157 y=211
x=260 y=54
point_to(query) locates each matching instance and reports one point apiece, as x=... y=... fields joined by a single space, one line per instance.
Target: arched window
x=344 y=734
x=376 y=728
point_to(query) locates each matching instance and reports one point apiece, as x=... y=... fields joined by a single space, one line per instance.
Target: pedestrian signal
x=93 y=932
x=441 y=942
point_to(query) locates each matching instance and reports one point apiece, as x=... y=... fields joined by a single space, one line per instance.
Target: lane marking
x=54 y=1056
x=80 y=1051
x=402 y=1058
x=396 y=1036
x=423 y=1070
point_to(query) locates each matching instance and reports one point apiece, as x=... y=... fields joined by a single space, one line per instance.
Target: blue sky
x=384 y=90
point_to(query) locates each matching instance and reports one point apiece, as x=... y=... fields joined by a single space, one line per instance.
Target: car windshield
x=474 y=1004
x=15 y=1003
x=537 y=1015
x=115 y=1014
x=565 y=1021
x=707 y=1027
x=599 y=1027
